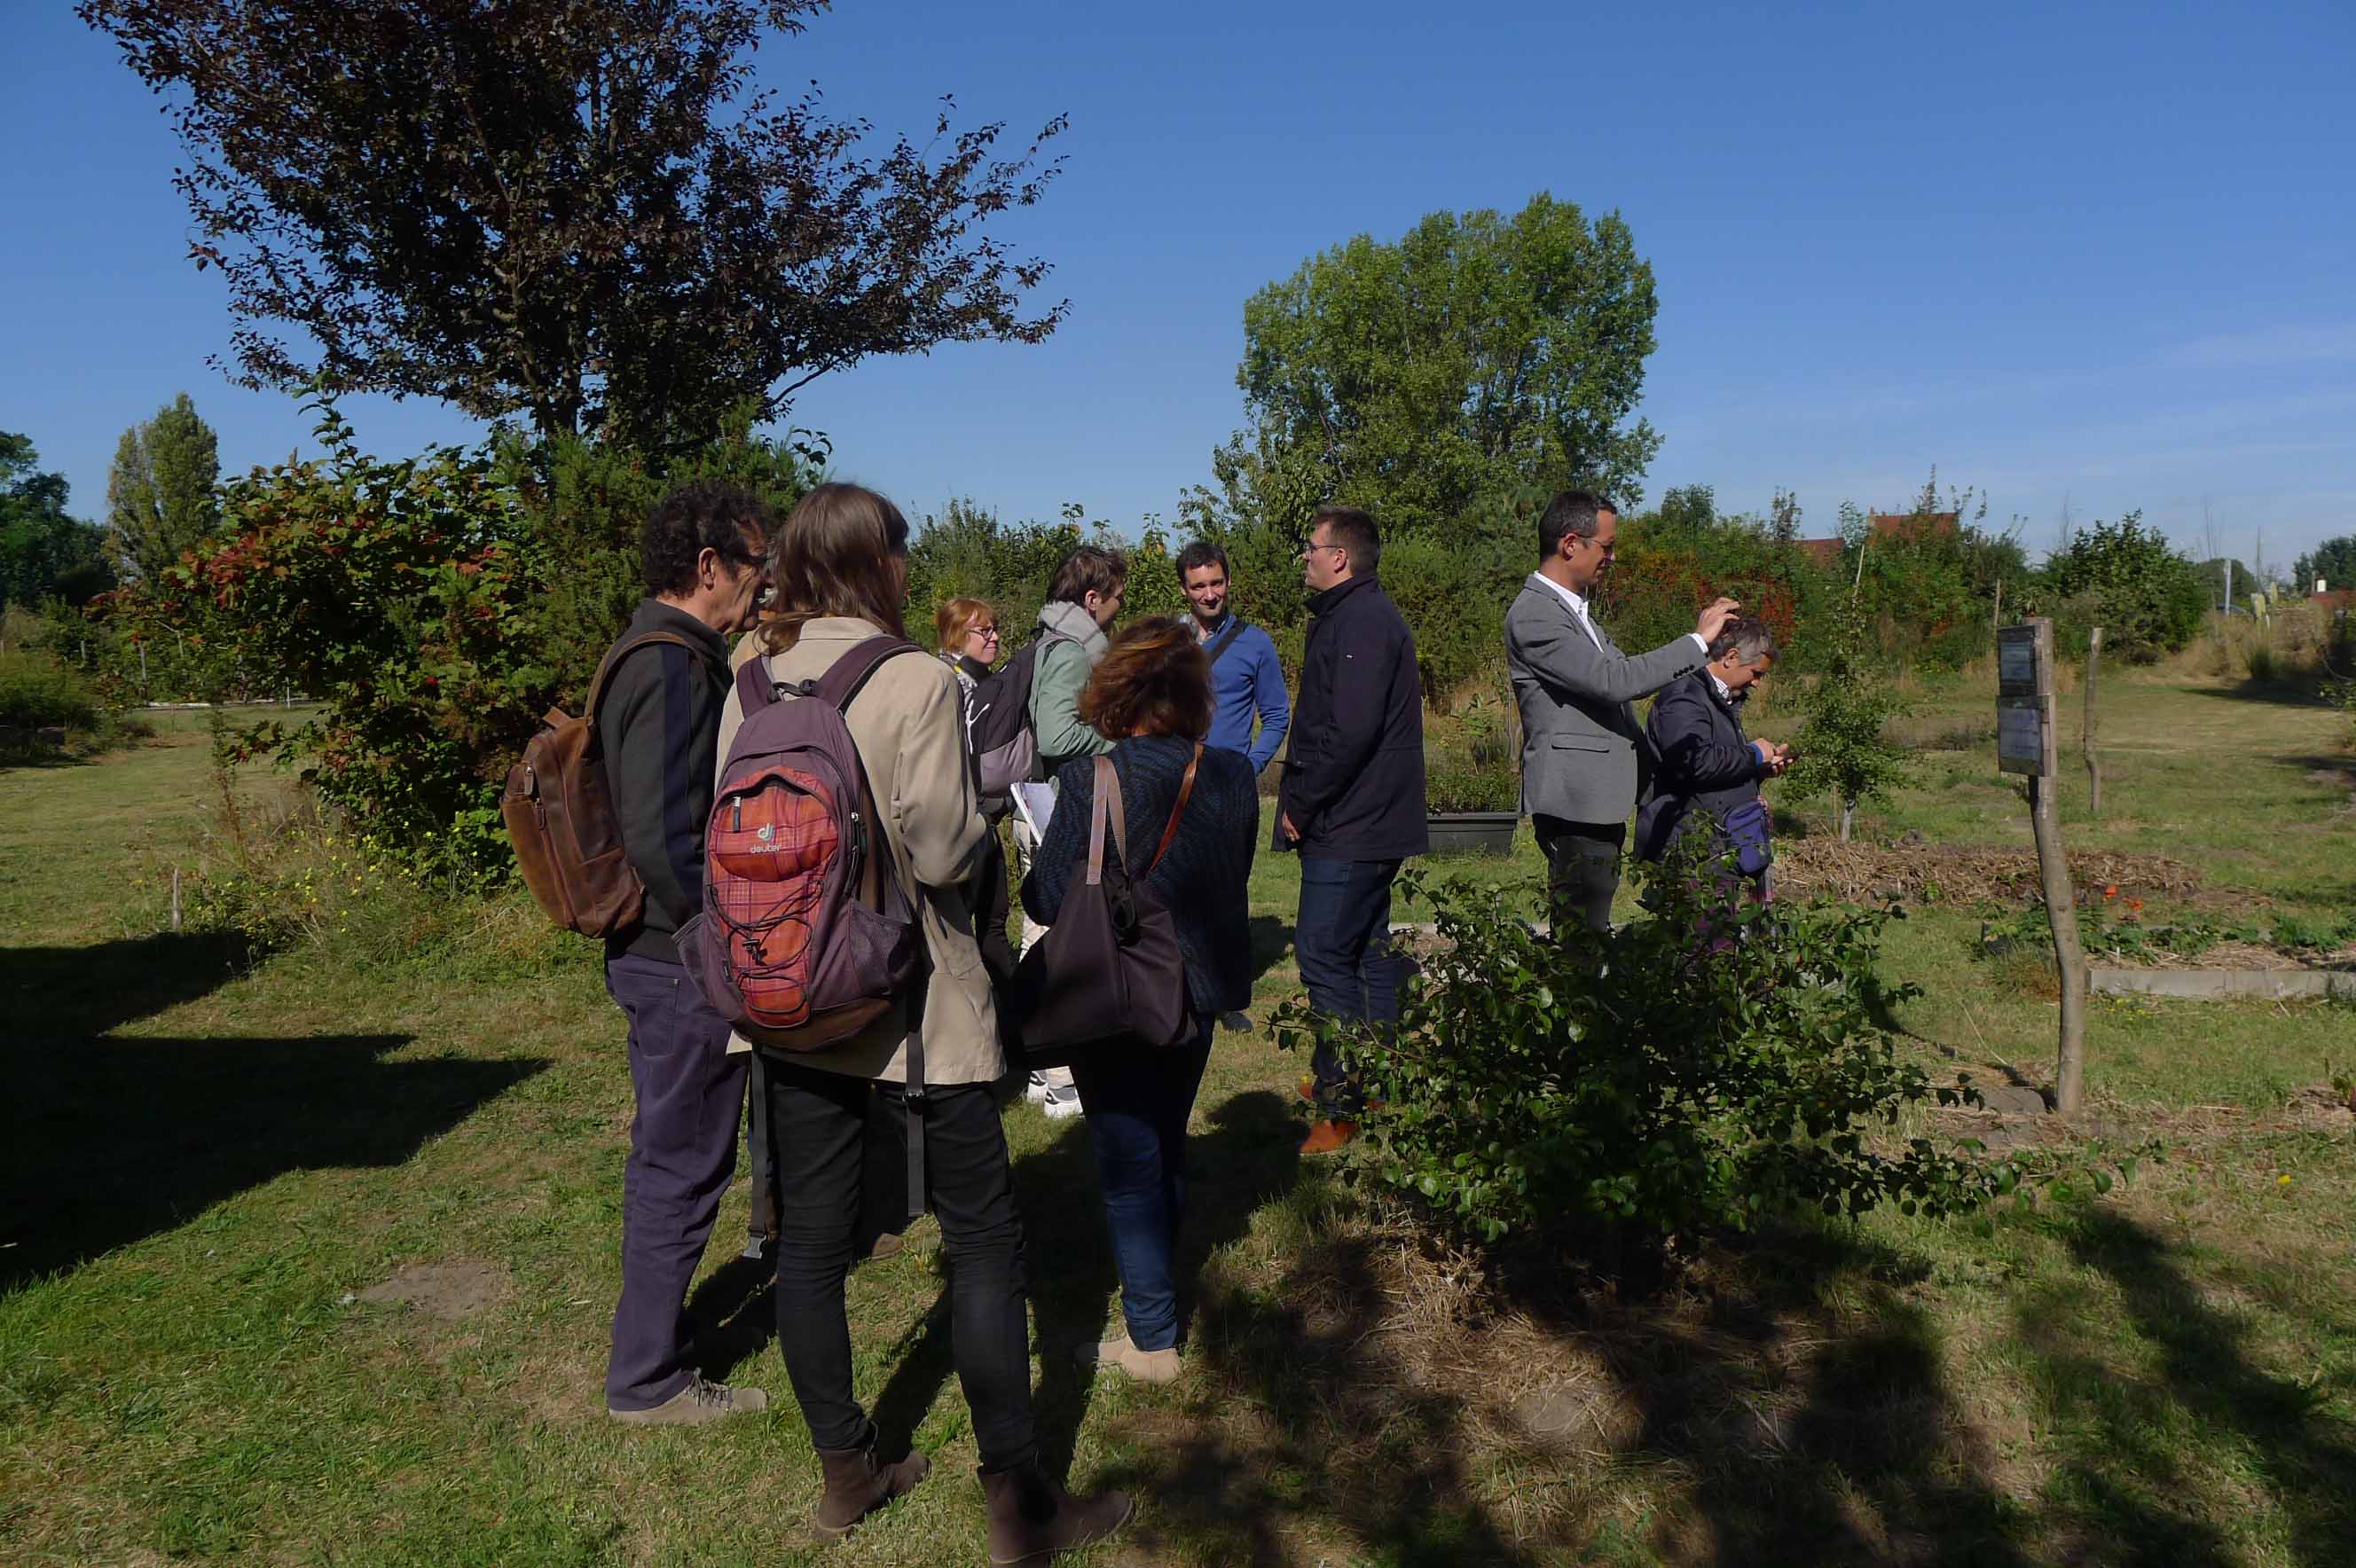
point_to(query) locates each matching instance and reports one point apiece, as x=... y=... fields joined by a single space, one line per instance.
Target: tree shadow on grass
x=114 y=1139
x=2158 y=1455
x=2284 y=694
x=1354 y=1408
x=1271 y=943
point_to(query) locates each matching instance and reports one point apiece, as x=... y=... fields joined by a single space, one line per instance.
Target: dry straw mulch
x=1858 y=870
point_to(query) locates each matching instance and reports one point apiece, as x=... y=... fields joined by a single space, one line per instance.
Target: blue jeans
x=1137 y=1101
x=1341 y=941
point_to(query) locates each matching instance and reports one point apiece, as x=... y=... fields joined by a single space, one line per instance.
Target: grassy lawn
x=209 y=1166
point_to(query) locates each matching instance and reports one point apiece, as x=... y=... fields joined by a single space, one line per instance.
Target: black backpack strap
x=1220 y=643
x=613 y=660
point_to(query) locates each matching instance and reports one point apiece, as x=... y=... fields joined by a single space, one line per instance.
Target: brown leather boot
x=857 y=1484
x=1032 y=1517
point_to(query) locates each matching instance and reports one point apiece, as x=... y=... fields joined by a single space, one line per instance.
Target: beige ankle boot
x=1145 y=1366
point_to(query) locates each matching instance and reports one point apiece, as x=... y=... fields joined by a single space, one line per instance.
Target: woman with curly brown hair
x=1152 y=695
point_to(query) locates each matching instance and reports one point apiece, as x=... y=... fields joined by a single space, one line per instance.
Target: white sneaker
x=1061 y=1102
x=1035 y=1091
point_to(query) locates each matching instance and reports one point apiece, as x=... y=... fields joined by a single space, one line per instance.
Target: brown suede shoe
x=857 y=1484
x=1324 y=1138
x=1122 y=1355
x=698 y=1402
x=1032 y=1517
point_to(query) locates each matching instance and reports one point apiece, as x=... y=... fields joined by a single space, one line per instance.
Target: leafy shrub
x=2149 y=596
x=1467 y=785
x=1698 y=1070
x=435 y=607
x=37 y=692
x=1459 y=623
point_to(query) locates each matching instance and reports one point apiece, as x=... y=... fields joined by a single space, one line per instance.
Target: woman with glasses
x=967 y=636
x=966 y=632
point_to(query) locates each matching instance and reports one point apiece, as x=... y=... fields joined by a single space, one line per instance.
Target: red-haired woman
x=1152 y=694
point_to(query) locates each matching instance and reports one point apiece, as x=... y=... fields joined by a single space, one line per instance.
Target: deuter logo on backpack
x=806 y=935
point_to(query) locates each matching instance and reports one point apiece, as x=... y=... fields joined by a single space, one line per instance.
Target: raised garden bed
x=1473 y=832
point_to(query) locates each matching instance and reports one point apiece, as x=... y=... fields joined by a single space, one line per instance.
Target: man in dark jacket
x=1353 y=801
x=703 y=555
x=1708 y=767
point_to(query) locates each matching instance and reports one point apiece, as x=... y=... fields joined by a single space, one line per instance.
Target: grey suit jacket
x=1584 y=756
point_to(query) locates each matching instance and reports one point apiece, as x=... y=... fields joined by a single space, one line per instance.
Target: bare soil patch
x=453 y=1290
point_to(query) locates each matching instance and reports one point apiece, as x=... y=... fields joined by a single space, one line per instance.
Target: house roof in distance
x=1827 y=552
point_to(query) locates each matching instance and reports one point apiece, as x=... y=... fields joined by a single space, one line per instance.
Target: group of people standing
x=1189 y=711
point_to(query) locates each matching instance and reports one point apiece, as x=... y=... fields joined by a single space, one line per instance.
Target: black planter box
x=1473 y=832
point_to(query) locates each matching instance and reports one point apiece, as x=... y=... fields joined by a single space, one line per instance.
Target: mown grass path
x=206 y=1167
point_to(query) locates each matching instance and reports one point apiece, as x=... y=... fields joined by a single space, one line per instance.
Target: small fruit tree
x=1841 y=750
x=1699 y=1071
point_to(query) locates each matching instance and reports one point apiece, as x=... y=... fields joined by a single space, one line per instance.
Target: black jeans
x=820 y=1124
x=1342 y=940
x=1582 y=871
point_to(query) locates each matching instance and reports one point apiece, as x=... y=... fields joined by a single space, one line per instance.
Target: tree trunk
x=2061 y=914
x=2086 y=736
x=1847 y=816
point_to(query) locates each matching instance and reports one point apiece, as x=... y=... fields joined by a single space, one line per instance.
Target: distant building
x=1894 y=525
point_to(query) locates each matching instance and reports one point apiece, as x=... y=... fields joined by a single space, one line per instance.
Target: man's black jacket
x=1353 y=770
x=1706 y=762
x=658 y=727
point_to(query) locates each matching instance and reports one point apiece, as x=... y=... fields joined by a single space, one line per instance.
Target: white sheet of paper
x=1036 y=801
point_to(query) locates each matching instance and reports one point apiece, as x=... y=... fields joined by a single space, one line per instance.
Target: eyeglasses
x=987 y=634
x=1312 y=545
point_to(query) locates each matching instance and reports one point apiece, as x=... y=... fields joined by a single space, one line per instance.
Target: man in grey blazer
x=1584 y=756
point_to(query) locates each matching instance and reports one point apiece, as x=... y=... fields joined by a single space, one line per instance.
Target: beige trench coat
x=909 y=724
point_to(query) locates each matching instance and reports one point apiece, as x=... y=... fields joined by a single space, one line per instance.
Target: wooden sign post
x=2024 y=744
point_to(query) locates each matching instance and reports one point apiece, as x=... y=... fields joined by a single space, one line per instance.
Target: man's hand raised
x=1714 y=619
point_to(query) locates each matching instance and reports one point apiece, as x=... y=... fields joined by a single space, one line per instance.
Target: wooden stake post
x=2024 y=744
x=2086 y=734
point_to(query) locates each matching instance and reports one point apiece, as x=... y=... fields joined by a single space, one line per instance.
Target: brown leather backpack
x=559 y=817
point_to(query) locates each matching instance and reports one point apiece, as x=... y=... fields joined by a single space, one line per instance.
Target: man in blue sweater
x=1246 y=681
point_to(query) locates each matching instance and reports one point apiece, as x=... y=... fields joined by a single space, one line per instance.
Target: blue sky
x=2099 y=254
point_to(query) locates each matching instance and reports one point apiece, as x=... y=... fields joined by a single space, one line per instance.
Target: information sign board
x=2024 y=702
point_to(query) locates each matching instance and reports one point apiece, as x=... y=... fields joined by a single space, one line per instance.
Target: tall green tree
x=578 y=211
x=160 y=494
x=1437 y=380
x=43 y=552
x=2334 y=560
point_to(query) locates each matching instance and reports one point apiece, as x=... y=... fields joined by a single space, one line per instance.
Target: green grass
x=204 y=1158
